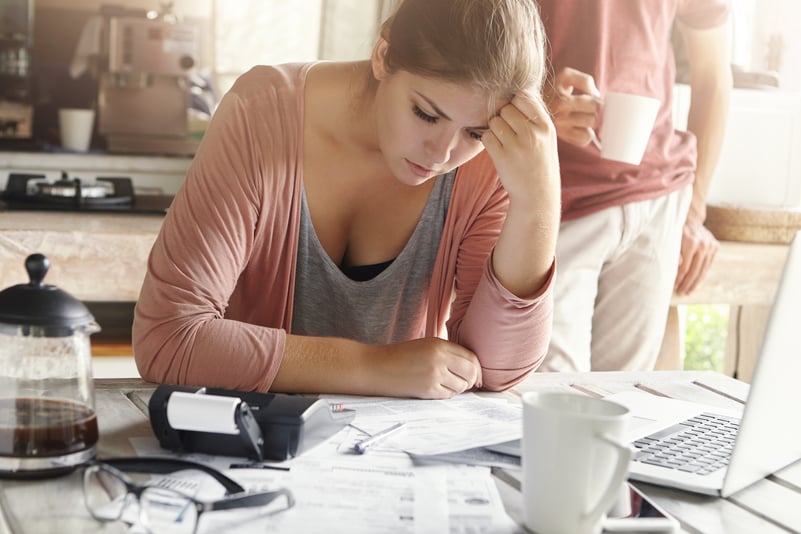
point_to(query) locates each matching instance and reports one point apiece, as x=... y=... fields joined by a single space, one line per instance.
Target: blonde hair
x=496 y=45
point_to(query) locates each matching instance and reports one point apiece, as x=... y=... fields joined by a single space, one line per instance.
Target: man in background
x=631 y=234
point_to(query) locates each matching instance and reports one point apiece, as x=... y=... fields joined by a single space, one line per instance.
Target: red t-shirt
x=625 y=45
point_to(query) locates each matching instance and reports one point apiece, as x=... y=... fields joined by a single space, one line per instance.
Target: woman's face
x=427 y=127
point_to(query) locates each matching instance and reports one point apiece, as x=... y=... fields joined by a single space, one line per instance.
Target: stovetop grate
x=19 y=196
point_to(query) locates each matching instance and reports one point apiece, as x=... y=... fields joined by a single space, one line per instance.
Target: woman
x=338 y=214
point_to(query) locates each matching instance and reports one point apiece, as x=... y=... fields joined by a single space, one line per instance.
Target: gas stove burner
x=72 y=188
x=32 y=191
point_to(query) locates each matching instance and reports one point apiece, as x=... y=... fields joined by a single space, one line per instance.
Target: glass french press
x=48 y=423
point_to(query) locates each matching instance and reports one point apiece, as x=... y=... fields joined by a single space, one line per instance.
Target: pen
x=258 y=466
x=362 y=446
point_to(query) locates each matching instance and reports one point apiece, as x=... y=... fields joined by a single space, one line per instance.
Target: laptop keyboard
x=701 y=444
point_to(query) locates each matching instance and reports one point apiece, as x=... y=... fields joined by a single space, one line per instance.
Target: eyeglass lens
x=105 y=494
x=160 y=509
x=165 y=510
x=110 y=496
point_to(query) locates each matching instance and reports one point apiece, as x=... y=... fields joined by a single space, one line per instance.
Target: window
x=254 y=32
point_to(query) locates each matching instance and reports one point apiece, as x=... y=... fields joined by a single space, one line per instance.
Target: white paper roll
x=202 y=413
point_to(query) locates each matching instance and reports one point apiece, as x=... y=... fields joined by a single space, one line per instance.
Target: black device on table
x=259 y=426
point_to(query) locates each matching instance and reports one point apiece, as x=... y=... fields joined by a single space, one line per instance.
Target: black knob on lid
x=37 y=266
x=40 y=304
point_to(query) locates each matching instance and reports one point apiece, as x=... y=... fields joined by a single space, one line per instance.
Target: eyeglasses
x=108 y=491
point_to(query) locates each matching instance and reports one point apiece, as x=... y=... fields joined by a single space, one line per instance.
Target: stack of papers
x=437 y=426
x=385 y=489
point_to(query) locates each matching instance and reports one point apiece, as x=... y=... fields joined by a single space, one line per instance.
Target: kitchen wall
x=195 y=8
x=768 y=38
x=58 y=24
x=762 y=117
x=250 y=32
x=237 y=34
x=273 y=30
x=776 y=40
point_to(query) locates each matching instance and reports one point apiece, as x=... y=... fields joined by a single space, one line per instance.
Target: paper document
x=356 y=498
x=475 y=456
x=438 y=426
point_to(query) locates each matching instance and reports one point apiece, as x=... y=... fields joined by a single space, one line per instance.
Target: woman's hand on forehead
x=530 y=104
x=521 y=141
x=522 y=144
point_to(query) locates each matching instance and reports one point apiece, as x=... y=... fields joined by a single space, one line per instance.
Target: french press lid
x=40 y=304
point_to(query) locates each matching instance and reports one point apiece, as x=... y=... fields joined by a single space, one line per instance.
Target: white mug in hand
x=626 y=126
x=574 y=461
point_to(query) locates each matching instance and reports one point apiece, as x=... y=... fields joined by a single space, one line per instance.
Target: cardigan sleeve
x=509 y=334
x=182 y=332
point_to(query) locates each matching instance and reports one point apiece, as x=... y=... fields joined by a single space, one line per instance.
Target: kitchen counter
x=99 y=257
x=102 y=257
x=95 y=257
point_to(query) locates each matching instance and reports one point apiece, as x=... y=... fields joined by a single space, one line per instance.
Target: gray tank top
x=384 y=309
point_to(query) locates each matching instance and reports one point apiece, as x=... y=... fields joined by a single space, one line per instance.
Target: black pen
x=362 y=446
x=258 y=466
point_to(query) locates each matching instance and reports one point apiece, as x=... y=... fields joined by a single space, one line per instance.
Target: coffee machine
x=16 y=75
x=144 y=88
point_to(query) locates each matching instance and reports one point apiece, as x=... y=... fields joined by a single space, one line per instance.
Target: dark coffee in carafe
x=45 y=427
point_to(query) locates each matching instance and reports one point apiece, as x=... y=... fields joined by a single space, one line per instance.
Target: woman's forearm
x=524 y=252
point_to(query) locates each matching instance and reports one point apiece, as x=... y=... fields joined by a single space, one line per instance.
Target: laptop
x=746 y=445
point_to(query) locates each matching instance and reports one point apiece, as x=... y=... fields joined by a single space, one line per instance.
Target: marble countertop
x=95 y=257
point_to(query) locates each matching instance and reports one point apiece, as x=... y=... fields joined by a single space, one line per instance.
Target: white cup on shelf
x=76 y=126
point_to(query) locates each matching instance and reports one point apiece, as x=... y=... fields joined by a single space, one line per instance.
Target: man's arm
x=710 y=81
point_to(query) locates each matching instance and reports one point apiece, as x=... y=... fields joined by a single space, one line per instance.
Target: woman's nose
x=439 y=147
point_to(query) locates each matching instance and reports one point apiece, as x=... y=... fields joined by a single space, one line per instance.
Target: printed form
x=437 y=426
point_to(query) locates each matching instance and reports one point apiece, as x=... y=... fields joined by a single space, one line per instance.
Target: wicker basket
x=729 y=222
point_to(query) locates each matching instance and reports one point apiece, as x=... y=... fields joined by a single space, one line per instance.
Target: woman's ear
x=378 y=59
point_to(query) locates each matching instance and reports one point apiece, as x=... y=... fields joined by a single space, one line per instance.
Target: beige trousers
x=616 y=269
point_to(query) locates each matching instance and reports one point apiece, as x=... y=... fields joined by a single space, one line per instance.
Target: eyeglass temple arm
x=253 y=499
x=163 y=466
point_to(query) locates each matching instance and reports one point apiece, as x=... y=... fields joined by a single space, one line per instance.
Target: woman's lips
x=419 y=170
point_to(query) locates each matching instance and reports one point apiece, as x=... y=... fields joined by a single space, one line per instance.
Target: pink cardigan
x=216 y=302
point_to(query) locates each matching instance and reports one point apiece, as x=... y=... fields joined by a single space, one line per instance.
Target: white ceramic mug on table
x=574 y=461
x=628 y=121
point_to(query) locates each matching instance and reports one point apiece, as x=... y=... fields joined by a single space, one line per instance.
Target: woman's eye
x=423 y=115
x=476 y=136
